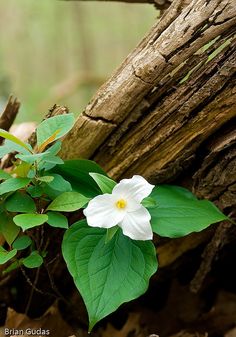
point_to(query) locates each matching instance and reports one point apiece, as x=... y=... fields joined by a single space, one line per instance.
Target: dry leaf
x=50 y=324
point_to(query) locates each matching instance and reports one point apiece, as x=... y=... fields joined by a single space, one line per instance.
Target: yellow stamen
x=121 y=203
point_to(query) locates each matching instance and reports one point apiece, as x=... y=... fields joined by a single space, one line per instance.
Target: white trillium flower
x=123 y=208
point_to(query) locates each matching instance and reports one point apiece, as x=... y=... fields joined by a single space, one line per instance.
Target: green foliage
x=34 y=260
x=8 y=228
x=149 y=202
x=6 y=256
x=77 y=172
x=105 y=184
x=14 y=139
x=57 y=125
x=103 y=276
x=13 y=184
x=4 y=175
x=59 y=183
x=56 y=219
x=27 y=221
x=108 y=267
x=20 y=202
x=22 y=242
x=179 y=212
x=68 y=202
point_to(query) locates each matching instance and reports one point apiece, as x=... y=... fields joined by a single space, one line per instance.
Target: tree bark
x=167 y=113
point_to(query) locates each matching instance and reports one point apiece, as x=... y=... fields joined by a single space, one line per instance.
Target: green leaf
x=22 y=169
x=14 y=139
x=59 y=183
x=53 y=160
x=13 y=184
x=27 y=221
x=35 y=191
x=55 y=148
x=77 y=173
x=14 y=265
x=31 y=158
x=110 y=274
x=5 y=256
x=110 y=233
x=57 y=220
x=22 y=242
x=105 y=184
x=46 y=179
x=4 y=175
x=20 y=203
x=180 y=213
x=62 y=123
x=8 y=228
x=34 y=260
x=68 y=202
x=149 y=202
x=10 y=147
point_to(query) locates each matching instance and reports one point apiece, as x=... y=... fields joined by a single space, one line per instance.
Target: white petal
x=137 y=225
x=101 y=212
x=136 y=188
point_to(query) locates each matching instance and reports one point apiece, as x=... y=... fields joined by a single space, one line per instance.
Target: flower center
x=121 y=203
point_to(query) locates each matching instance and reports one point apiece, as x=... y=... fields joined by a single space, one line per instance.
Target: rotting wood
x=174 y=40
x=9 y=114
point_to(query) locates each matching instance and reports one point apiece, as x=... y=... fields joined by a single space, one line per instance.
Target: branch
x=159 y=4
x=9 y=114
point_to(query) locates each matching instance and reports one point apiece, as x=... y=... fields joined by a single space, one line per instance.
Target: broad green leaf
x=105 y=184
x=55 y=148
x=59 y=183
x=110 y=274
x=60 y=125
x=20 y=202
x=57 y=220
x=8 y=228
x=77 y=173
x=22 y=242
x=5 y=256
x=13 y=184
x=34 y=260
x=68 y=202
x=4 y=175
x=179 y=212
x=27 y=221
x=14 y=139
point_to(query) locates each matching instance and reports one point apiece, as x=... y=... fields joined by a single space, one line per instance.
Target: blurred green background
x=61 y=52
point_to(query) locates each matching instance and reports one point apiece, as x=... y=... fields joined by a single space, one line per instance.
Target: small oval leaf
x=56 y=219
x=34 y=260
x=27 y=221
x=68 y=202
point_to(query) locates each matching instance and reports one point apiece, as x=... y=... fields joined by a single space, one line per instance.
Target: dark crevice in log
x=9 y=114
